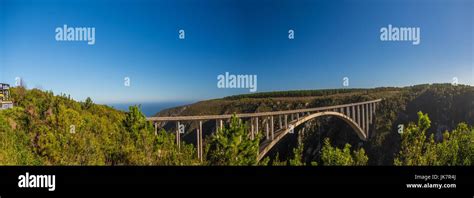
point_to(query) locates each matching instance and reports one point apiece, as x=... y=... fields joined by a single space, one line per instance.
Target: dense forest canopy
x=45 y=129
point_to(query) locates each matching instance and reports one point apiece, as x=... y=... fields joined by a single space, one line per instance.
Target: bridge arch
x=267 y=147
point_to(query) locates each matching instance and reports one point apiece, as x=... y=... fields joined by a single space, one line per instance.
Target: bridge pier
x=368 y=119
x=280 y=122
x=252 y=132
x=363 y=118
x=178 y=136
x=199 y=141
x=353 y=117
x=256 y=125
x=266 y=128
x=370 y=114
x=301 y=135
x=271 y=128
x=221 y=124
x=358 y=115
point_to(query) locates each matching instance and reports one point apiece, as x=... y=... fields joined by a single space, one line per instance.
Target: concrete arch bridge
x=277 y=124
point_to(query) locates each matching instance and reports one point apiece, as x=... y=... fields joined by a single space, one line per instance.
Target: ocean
x=149 y=109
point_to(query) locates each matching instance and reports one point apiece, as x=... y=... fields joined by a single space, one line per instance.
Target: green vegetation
x=297 y=159
x=456 y=147
x=233 y=146
x=43 y=129
x=331 y=156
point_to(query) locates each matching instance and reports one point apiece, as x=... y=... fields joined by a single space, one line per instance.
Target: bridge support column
x=367 y=112
x=297 y=116
x=252 y=132
x=358 y=115
x=267 y=128
x=286 y=121
x=200 y=138
x=256 y=125
x=370 y=113
x=178 y=136
x=280 y=122
x=155 y=124
x=301 y=135
x=375 y=109
x=363 y=118
x=353 y=113
x=271 y=127
x=199 y=141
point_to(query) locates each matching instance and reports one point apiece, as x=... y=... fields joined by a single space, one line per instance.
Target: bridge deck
x=250 y=115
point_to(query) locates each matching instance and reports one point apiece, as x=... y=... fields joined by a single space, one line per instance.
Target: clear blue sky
x=139 y=39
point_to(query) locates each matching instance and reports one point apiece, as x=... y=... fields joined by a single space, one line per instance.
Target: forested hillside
x=43 y=129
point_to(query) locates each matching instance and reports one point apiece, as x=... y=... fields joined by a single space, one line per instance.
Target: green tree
x=170 y=154
x=454 y=149
x=415 y=149
x=88 y=103
x=333 y=156
x=233 y=146
x=297 y=159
